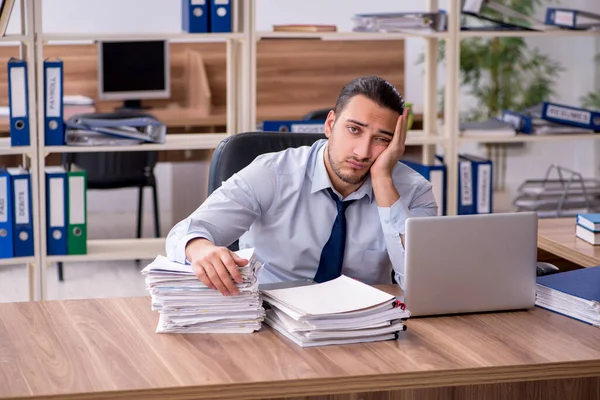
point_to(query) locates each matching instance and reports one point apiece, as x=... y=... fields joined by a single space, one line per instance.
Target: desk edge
x=360 y=384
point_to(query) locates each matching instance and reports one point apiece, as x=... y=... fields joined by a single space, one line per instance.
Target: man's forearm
x=386 y=194
x=384 y=190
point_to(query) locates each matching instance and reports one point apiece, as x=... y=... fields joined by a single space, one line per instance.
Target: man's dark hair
x=375 y=88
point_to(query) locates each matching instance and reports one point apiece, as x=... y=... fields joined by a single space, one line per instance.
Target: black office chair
x=237 y=151
x=119 y=170
x=317 y=114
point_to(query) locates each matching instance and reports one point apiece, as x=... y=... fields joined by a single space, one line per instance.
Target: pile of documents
x=399 y=22
x=339 y=311
x=186 y=305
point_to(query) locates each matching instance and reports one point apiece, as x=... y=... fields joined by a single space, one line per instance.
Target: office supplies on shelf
x=6 y=7
x=56 y=210
x=53 y=103
x=186 y=305
x=22 y=212
x=77 y=210
x=572 y=19
x=220 y=19
x=301 y=126
x=529 y=121
x=490 y=127
x=575 y=294
x=398 y=22
x=6 y=215
x=18 y=102
x=436 y=175
x=568 y=194
x=478 y=8
x=304 y=28
x=481 y=172
x=342 y=310
x=195 y=14
x=100 y=128
x=573 y=116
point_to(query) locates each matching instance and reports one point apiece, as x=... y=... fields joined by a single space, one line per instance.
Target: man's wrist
x=195 y=242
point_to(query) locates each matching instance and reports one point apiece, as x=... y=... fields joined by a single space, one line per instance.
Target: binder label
x=484 y=174
x=308 y=128
x=21 y=201
x=221 y=2
x=18 y=106
x=3 y=199
x=564 y=18
x=77 y=200
x=513 y=120
x=466 y=192
x=198 y=2
x=57 y=202
x=54 y=97
x=569 y=114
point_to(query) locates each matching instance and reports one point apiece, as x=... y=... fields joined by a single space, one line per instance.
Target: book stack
x=186 y=305
x=339 y=311
x=575 y=294
x=588 y=228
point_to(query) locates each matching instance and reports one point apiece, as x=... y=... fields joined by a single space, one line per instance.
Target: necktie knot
x=341 y=205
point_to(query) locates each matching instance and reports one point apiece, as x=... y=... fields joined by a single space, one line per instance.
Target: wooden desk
x=557 y=236
x=108 y=349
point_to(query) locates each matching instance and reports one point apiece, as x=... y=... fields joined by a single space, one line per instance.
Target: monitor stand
x=132 y=105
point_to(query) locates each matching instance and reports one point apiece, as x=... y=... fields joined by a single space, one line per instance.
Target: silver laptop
x=470 y=263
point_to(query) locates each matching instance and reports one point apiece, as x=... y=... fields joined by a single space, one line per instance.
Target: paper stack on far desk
x=339 y=311
x=186 y=305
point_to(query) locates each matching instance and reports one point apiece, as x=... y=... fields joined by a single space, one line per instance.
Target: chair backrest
x=237 y=151
x=113 y=170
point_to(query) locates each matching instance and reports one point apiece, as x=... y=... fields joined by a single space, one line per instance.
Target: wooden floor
x=93 y=279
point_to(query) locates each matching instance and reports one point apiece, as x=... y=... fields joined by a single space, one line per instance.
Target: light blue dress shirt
x=280 y=206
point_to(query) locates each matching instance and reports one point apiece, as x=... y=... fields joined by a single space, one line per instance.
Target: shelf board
x=528 y=138
x=17 y=261
x=6 y=148
x=116 y=249
x=550 y=33
x=174 y=141
x=420 y=137
x=349 y=35
x=174 y=36
x=14 y=38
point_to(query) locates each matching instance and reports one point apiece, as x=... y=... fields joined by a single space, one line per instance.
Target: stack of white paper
x=186 y=305
x=339 y=311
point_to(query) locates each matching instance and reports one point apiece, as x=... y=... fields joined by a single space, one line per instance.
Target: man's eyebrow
x=366 y=126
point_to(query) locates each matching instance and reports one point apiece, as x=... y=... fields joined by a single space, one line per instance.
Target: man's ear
x=329 y=123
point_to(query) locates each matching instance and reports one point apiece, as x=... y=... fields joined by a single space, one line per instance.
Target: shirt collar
x=321 y=181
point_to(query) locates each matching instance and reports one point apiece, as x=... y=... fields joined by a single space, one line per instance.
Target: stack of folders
x=588 y=228
x=339 y=311
x=575 y=294
x=186 y=305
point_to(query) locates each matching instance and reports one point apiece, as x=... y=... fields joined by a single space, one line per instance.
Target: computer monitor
x=133 y=70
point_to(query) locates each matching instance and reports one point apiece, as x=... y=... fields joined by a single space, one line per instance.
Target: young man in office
x=336 y=207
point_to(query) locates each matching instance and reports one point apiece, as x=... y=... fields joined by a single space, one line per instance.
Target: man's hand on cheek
x=387 y=160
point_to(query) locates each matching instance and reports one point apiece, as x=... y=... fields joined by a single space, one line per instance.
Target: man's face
x=357 y=137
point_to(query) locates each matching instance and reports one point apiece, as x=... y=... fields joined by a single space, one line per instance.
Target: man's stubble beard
x=338 y=170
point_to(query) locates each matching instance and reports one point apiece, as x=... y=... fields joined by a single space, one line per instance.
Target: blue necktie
x=332 y=256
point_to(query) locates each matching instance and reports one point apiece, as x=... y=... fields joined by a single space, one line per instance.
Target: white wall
x=528 y=161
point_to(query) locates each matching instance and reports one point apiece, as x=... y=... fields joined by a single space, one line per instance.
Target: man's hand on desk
x=215 y=266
